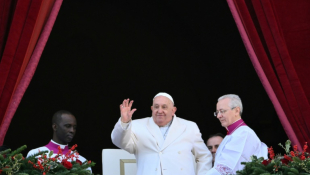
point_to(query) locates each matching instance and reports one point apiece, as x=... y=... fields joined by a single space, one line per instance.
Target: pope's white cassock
x=238 y=146
x=160 y=151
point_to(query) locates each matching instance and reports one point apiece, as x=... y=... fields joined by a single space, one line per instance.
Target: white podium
x=118 y=162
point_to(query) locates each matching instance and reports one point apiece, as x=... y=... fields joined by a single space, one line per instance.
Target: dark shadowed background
x=100 y=52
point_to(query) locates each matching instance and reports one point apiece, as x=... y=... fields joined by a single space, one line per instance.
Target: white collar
x=61 y=146
x=167 y=125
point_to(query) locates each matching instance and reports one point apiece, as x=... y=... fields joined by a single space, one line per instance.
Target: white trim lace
x=223 y=169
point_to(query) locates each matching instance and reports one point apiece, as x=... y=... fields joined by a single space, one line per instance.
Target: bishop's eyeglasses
x=222 y=111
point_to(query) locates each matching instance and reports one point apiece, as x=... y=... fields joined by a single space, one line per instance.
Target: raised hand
x=126 y=111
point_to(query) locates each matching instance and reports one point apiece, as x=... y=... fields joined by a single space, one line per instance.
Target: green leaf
x=290 y=173
x=6 y=169
x=287 y=146
x=5 y=151
x=19 y=156
x=258 y=170
x=294 y=170
x=50 y=154
x=20 y=149
x=260 y=159
x=269 y=167
x=297 y=159
x=1 y=158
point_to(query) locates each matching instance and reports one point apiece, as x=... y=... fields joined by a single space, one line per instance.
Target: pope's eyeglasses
x=222 y=111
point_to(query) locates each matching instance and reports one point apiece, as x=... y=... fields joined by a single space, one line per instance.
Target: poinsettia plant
x=292 y=163
x=43 y=163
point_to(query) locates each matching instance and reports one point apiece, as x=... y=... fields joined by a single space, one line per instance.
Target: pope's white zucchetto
x=165 y=95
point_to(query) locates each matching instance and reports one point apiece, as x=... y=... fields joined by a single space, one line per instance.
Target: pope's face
x=213 y=143
x=162 y=110
x=227 y=116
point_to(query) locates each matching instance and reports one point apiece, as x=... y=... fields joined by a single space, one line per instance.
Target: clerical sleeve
x=236 y=148
x=203 y=156
x=123 y=137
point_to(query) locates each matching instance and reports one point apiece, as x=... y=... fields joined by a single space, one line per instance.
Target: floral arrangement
x=291 y=163
x=13 y=163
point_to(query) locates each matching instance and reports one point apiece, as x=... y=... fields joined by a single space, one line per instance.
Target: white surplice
x=236 y=148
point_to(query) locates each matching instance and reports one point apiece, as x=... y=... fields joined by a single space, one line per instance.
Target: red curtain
x=25 y=27
x=276 y=34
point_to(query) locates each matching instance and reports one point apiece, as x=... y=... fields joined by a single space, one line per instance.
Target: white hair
x=235 y=101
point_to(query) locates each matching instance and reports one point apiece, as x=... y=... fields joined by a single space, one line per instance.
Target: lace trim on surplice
x=223 y=169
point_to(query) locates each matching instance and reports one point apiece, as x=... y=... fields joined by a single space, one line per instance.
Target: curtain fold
x=14 y=55
x=269 y=29
x=7 y=8
x=24 y=45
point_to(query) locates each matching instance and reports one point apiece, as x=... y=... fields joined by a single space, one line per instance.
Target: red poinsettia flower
x=271 y=153
x=66 y=164
x=73 y=147
x=59 y=150
x=78 y=161
x=295 y=148
x=287 y=157
x=265 y=162
x=305 y=147
x=284 y=161
x=302 y=157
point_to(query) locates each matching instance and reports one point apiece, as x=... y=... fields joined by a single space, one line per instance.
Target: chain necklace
x=166 y=132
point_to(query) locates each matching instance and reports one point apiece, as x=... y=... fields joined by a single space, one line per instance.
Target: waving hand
x=126 y=111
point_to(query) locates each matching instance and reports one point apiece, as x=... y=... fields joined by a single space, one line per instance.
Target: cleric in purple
x=64 y=128
x=240 y=143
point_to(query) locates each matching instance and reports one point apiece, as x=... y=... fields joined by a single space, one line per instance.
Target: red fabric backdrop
x=25 y=27
x=276 y=34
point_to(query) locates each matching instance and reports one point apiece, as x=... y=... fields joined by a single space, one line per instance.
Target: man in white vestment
x=64 y=128
x=240 y=143
x=213 y=143
x=163 y=144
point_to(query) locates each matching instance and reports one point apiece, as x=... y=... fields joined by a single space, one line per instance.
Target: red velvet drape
x=276 y=34
x=25 y=26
